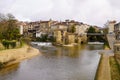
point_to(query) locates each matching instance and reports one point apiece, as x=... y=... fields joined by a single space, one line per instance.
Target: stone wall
x=84 y=38
x=58 y=37
x=63 y=37
x=79 y=40
x=71 y=38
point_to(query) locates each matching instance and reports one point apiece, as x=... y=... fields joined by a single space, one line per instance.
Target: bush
x=1 y=65
x=7 y=44
x=13 y=44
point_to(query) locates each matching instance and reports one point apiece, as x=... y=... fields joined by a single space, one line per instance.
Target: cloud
x=95 y=12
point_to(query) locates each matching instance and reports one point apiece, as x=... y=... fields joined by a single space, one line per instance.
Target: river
x=57 y=63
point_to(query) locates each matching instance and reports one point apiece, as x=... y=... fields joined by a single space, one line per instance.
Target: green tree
x=72 y=29
x=8 y=27
x=91 y=30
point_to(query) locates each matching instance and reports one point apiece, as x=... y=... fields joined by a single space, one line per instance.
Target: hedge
x=7 y=44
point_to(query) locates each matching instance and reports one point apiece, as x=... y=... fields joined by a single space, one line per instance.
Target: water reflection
x=61 y=51
x=9 y=69
x=58 y=63
x=95 y=47
x=72 y=52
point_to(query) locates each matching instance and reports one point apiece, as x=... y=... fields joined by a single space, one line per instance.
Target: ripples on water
x=57 y=63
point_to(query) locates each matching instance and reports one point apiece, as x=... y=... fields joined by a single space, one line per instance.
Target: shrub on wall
x=7 y=44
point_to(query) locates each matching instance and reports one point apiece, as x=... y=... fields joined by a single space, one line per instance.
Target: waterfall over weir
x=42 y=43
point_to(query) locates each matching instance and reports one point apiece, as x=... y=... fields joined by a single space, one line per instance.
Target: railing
x=95 y=34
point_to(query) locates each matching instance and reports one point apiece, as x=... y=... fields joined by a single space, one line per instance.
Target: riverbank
x=114 y=67
x=12 y=56
x=103 y=71
x=106 y=47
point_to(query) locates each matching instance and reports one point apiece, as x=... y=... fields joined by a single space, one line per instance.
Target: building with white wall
x=81 y=29
x=110 y=26
x=21 y=29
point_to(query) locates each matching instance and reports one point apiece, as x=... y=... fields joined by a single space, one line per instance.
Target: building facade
x=117 y=31
x=110 y=25
x=117 y=37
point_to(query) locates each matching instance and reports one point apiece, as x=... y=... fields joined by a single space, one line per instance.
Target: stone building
x=81 y=29
x=117 y=37
x=117 y=47
x=70 y=38
x=58 y=36
x=60 y=25
x=24 y=28
x=59 y=30
x=84 y=38
x=117 y=31
x=35 y=29
x=79 y=40
x=21 y=27
x=110 y=25
x=63 y=37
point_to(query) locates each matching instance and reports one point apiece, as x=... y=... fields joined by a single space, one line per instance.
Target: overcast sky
x=94 y=12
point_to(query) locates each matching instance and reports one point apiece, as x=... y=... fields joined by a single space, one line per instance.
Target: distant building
x=35 y=29
x=81 y=29
x=63 y=31
x=110 y=25
x=38 y=34
x=117 y=42
x=60 y=25
x=21 y=29
x=117 y=31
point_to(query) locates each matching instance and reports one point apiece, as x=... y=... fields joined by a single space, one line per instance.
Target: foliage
x=8 y=27
x=1 y=36
x=25 y=40
x=72 y=29
x=105 y=31
x=95 y=38
x=51 y=39
x=1 y=65
x=7 y=44
x=91 y=30
x=45 y=38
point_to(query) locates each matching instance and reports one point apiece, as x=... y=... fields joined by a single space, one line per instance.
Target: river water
x=57 y=63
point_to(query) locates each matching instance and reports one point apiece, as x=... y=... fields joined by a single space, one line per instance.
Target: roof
x=112 y=21
x=116 y=25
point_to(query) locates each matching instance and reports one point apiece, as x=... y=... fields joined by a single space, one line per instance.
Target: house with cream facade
x=81 y=29
x=110 y=26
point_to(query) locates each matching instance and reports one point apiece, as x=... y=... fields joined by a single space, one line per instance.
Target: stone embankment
x=12 y=56
x=111 y=40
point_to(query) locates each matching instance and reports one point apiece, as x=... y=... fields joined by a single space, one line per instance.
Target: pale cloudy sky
x=94 y=12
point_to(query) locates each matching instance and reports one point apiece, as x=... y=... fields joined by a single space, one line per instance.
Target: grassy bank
x=106 y=47
x=114 y=67
x=12 y=56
